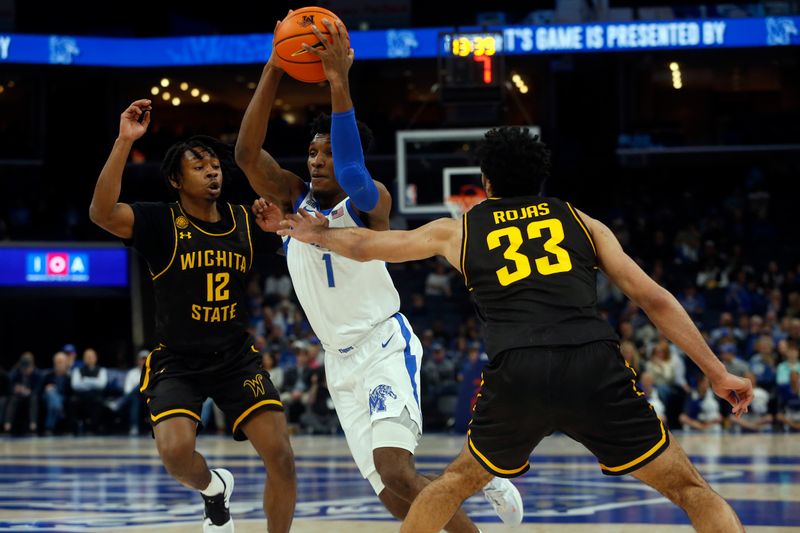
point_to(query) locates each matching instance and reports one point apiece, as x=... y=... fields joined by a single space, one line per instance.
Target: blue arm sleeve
x=348 y=161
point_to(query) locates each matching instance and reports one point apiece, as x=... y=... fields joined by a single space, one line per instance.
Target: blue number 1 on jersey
x=329 y=269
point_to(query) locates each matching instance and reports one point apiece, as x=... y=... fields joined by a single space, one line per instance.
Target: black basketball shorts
x=177 y=385
x=587 y=392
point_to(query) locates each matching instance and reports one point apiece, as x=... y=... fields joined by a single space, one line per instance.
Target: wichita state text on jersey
x=530 y=265
x=201 y=294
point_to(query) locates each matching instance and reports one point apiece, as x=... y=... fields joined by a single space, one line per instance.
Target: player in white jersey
x=372 y=357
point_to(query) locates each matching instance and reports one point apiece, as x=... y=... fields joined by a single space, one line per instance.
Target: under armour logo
x=307 y=20
x=185 y=235
x=256 y=385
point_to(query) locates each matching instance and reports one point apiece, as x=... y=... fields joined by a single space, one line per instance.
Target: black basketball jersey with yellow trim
x=201 y=299
x=530 y=266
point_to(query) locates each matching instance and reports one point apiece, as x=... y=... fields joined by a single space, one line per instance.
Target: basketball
x=295 y=30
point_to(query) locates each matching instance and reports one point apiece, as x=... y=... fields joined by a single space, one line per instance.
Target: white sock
x=491 y=485
x=215 y=487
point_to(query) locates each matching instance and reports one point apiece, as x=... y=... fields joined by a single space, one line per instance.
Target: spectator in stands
x=296 y=382
x=626 y=332
x=418 y=314
x=437 y=284
x=794 y=330
x=693 y=303
x=25 y=381
x=298 y=327
x=438 y=380
x=701 y=411
x=732 y=363
x=56 y=391
x=791 y=364
x=757 y=329
x=72 y=356
x=739 y=298
x=713 y=275
x=774 y=304
x=789 y=403
x=320 y=416
x=668 y=371
x=284 y=312
x=762 y=363
x=651 y=393
x=269 y=362
x=440 y=372
x=315 y=354
x=277 y=287
x=757 y=417
x=132 y=399
x=726 y=329
x=88 y=383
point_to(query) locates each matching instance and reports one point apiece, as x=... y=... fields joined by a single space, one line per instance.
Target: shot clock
x=471 y=59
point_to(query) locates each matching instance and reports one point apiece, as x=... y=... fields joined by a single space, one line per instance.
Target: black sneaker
x=217 y=516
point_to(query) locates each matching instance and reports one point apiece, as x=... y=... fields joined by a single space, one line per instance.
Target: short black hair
x=516 y=162
x=197 y=144
x=322 y=126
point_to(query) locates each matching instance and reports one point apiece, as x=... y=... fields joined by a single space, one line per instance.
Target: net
x=468 y=197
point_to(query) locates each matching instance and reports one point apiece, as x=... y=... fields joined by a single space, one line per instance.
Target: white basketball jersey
x=342 y=299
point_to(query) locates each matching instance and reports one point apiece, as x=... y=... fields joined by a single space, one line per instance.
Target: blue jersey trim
x=286 y=246
x=411 y=360
x=301 y=198
x=354 y=214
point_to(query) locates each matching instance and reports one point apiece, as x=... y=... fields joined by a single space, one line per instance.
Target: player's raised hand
x=304 y=226
x=134 y=120
x=268 y=215
x=735 y=390
x=274 y=62
x=335 y=54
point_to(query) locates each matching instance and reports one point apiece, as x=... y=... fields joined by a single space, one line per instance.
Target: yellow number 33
x=522 y=265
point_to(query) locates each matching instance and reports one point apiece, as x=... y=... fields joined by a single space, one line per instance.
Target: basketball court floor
x=70 y=484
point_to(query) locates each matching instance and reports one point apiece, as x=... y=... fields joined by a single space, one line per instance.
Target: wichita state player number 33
x=515 y=239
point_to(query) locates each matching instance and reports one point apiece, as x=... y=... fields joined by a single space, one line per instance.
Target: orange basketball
x=295 y=30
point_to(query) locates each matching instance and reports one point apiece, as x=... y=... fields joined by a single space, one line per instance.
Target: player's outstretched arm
x=440 y=237
x=105 y=210
x=265 y=175
x=667 y=314
x=351 y=172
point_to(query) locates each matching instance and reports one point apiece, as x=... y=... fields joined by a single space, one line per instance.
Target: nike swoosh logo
x=302 y=51
x=383 y=344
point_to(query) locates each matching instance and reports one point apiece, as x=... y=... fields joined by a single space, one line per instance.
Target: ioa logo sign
x=57 y=266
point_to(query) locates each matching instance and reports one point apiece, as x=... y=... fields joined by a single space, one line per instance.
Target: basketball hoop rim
x=458 y=204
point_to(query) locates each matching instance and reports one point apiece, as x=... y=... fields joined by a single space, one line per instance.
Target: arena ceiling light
x=677 y=81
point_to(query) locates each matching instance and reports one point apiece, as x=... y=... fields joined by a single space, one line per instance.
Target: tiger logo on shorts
x=377 y=398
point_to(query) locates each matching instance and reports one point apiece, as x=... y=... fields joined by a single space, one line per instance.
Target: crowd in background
x=728 y=264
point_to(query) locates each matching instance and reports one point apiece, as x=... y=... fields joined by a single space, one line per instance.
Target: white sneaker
x=505 y=499
x=217 y=515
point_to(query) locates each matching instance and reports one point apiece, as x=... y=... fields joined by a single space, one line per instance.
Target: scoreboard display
x=471 y=60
